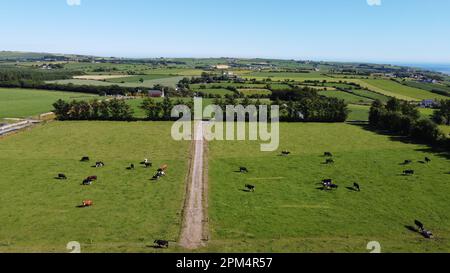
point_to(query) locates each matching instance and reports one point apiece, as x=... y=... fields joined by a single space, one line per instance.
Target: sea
x=443 y=68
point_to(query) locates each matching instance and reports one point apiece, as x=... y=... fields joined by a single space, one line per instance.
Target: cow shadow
x=412 y=229
x=80 y=207
x=245 y=190
x=352 y=189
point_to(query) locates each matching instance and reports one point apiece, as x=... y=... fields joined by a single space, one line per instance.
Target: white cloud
x=374 y=3
x=73 y=2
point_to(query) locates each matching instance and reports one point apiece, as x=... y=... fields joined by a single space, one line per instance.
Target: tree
x=442 y=114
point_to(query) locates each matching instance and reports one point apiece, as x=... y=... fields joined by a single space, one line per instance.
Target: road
x=193 y=227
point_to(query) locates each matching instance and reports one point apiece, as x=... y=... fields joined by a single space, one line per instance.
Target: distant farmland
x=21 y=103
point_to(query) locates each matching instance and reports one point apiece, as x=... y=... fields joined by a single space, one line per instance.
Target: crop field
x=21 y=103
x=40 y=214
x=219 y=91
x=347 y=97
x=289 y=213
x=275 y=76
x=393 y=89
x=137 y=78
x=165 y=81
x=249 y=92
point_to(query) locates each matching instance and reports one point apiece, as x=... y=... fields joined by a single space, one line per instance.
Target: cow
x=147 y=164
x=328 y=154
x=62 y=176
x=85 y=159
x=327 y=181
x=164 y=168
x=87 y=182
x=406 y=162
x=408 y=172
x=427 y=160
x=131 y=167
x=329 y=161
x=88 y=203
x=427 y=234
x=92 y=178
x=285 y=153
x=250 y=187
x=243 y=170
x=419 y=225
x=99 y=164
x=161 y=243
x=357 y=187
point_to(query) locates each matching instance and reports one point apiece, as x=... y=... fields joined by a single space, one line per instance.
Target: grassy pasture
x=358 y=112
x=394 y=89
x=347 y=97
x=21 y=103
x=167 y=81
x=39 y=213
x=136 y=79
x=287 y=213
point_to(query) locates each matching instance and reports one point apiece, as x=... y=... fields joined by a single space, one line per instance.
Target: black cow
x=329 y=161
x=250 y=187
x=243 y=170
x=427 y=160
x=285 y=153
x=427 y=234
x=407 y=162
x=62 y=176
x=408 y=172
x=357 y=187
x=99 y=164
x=419 y=225
x=87 y=182
x=161 y=243
x=85 y=159
x=147 y=164
x=131 y=167
x=328 y=154
x=327 y=181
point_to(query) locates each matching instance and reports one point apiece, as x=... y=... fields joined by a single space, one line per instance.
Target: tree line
x=402 y=118
x=114 y=109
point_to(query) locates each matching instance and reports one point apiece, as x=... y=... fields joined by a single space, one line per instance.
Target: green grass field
x=21 y=103
x=136 y=79
x=39 y=213
x=166 y=81
x=394 y=89
x=287 y=213
x=347 y=97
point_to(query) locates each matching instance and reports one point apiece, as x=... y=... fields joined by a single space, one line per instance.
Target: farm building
x=156 y=94
x=428 y=104
x=222 y=66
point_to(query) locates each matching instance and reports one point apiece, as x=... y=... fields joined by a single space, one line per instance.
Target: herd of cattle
x=161 y=172
x=327 y=184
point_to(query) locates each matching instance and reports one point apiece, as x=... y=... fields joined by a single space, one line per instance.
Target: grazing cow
x=87 y=182
x=147 y=164
x=356 y=186
x=250 y=187
x=329 y=161
x=161 y=243
x=62 y=176
x=427 y=234
x=328 y=154
x=285 y=153
x=99 y=164
x=408 y=172
x=407 y=162
x=243 y=170
x=427 y=160
x=88 y=203
x=327 y=181
x=85 y=159
x=92 y=178
x=131 y=167
x=419 y=225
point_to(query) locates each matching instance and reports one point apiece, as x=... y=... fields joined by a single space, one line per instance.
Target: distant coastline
x=443 y=68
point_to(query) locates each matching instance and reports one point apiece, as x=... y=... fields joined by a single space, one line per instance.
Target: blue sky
x=411 y=31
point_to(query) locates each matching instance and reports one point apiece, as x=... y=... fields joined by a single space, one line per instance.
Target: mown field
x=288 y=213
x=394 y=89
x=149 y=83
x=40 y=214
x=22 y=103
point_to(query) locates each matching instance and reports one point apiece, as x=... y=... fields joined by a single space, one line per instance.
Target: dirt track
x=192 y=232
